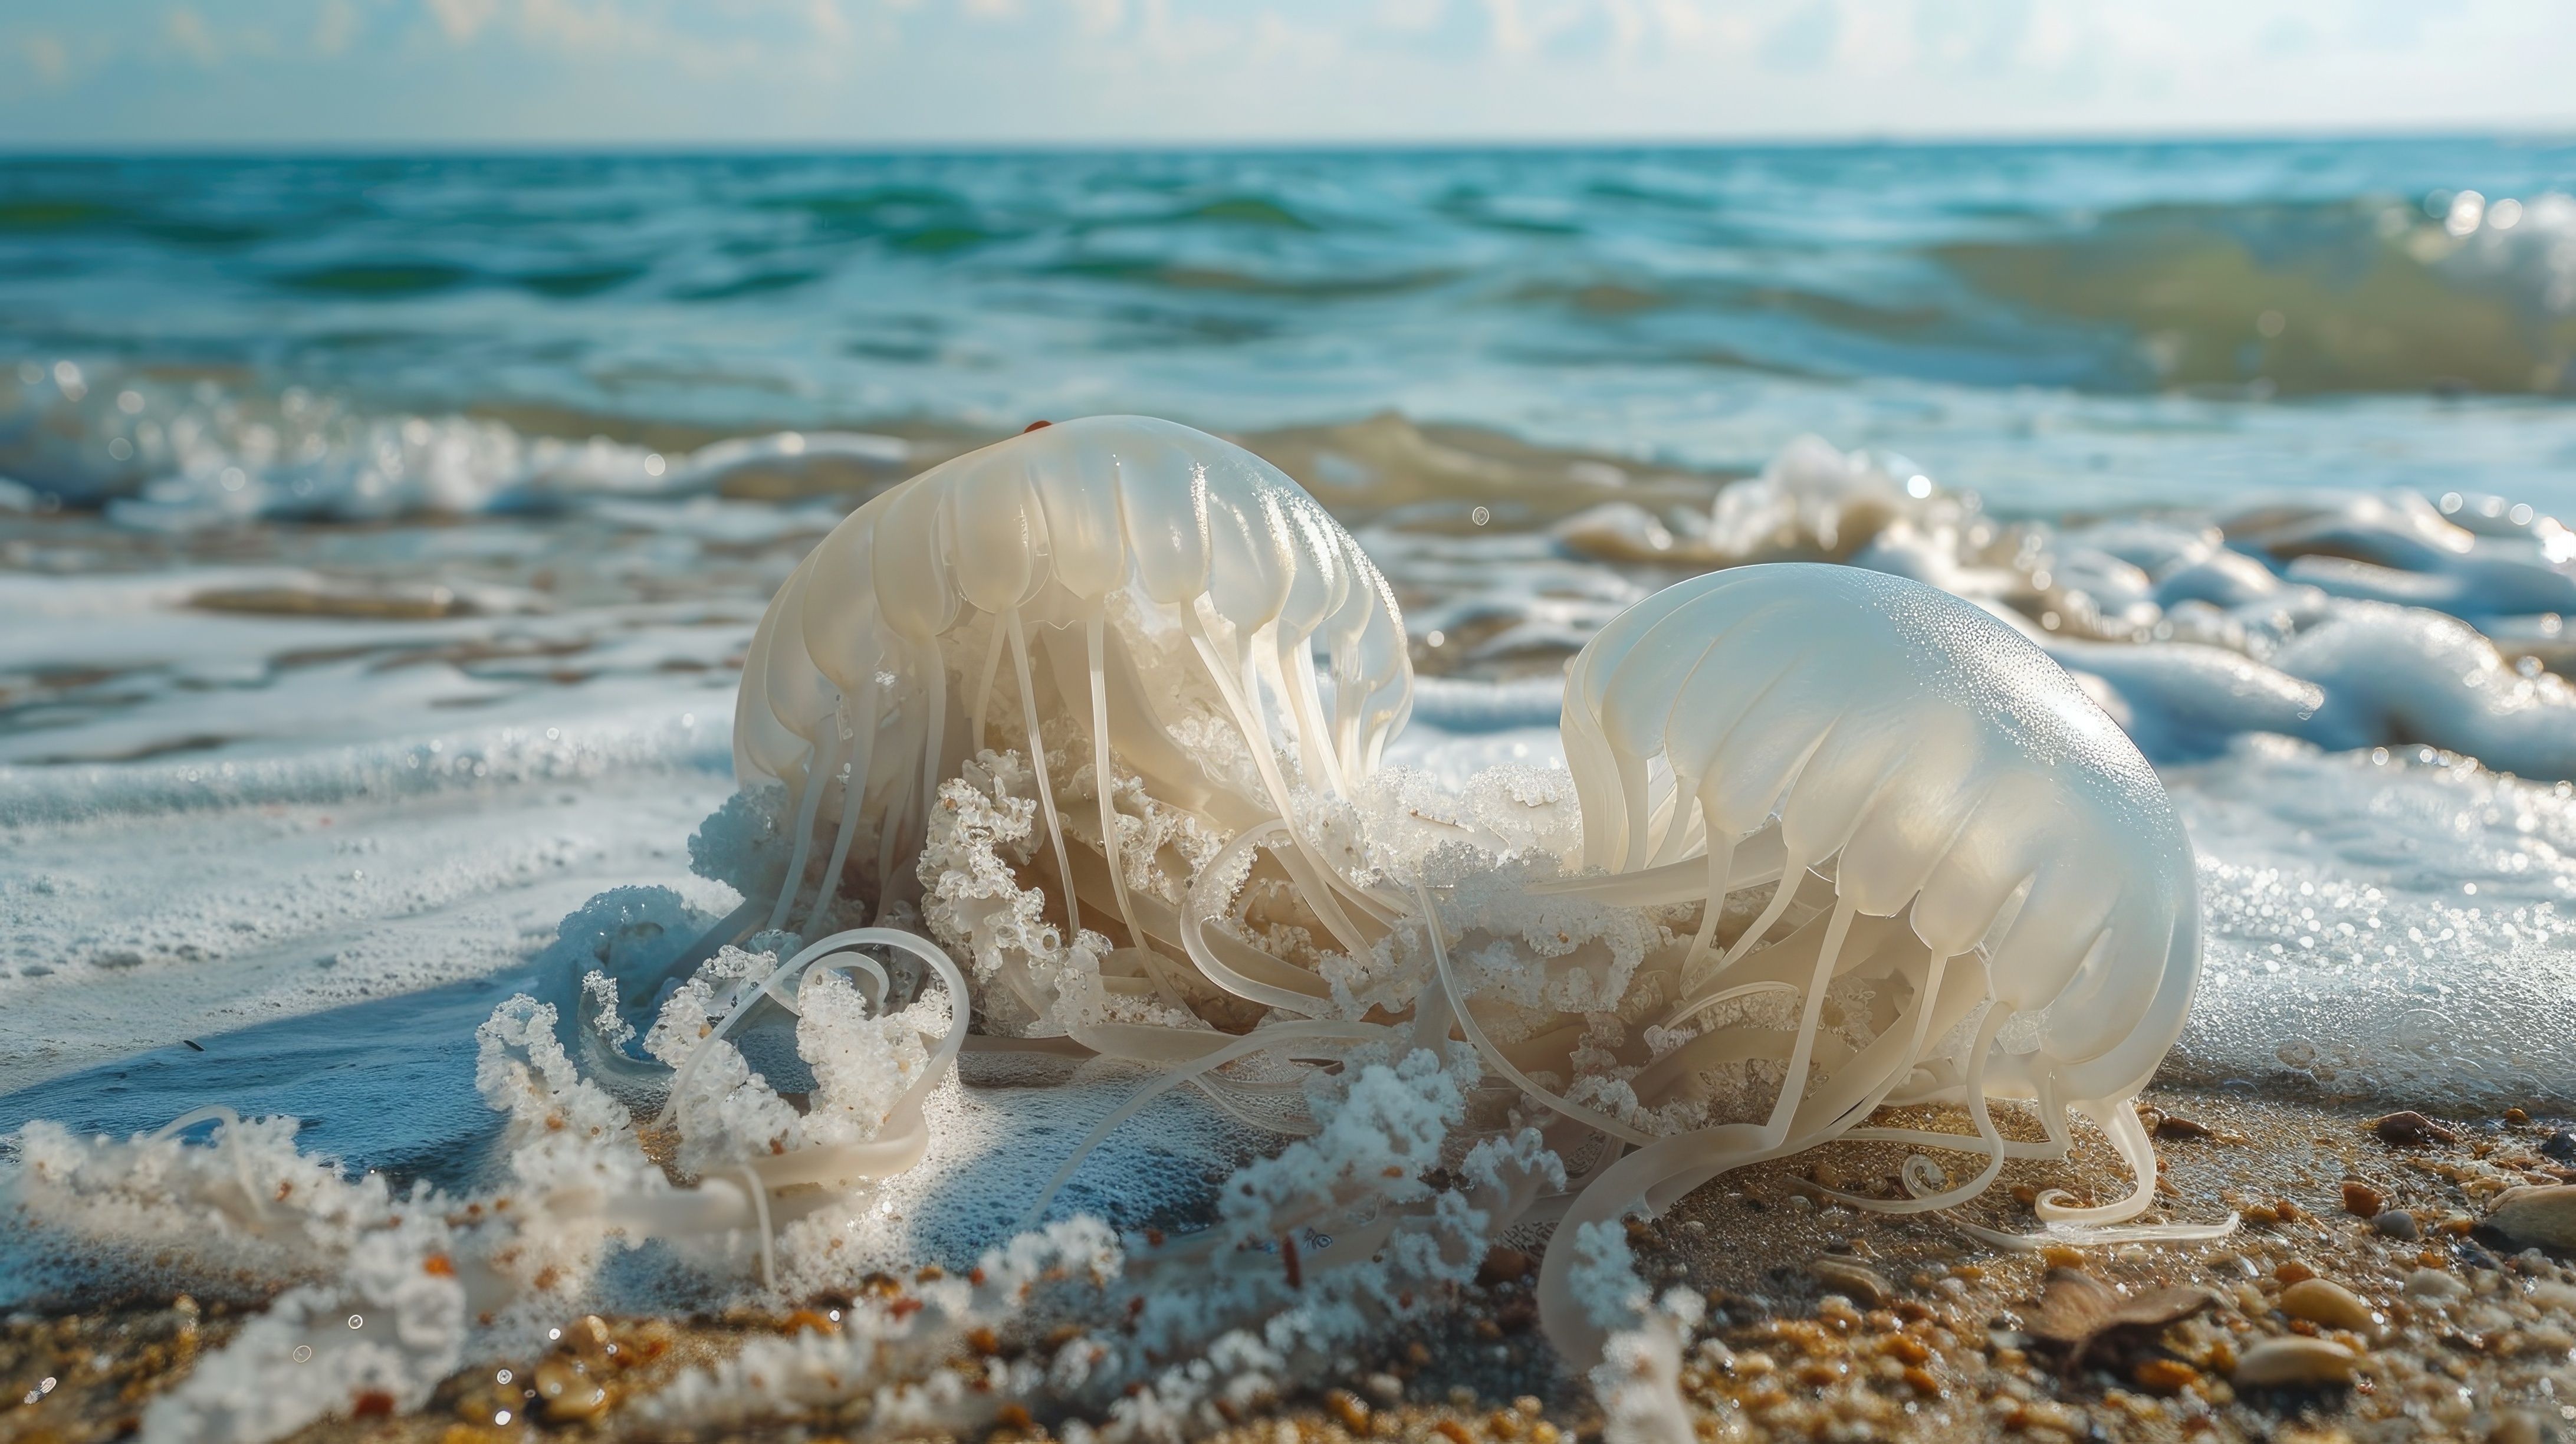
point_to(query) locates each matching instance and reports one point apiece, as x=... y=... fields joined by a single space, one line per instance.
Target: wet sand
x=1825 y=1323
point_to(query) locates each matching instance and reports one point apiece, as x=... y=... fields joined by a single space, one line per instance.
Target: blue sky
x=304 y=73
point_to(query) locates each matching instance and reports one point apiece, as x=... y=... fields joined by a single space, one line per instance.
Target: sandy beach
x=1822 y=1323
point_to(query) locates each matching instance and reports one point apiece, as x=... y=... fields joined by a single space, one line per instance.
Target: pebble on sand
x=2434 y=1284
x=2323 y=1301
x=2537 y=1215
x=571 y=1396
x=1861 y=1285
x=2294 y=1363
x=1503 y=1265
x=2412 y=1130
x=2397 y=1223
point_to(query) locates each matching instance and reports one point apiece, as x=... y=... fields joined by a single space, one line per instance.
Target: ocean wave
x=176 y=455
x=2306 y=299
x=2348 y=622
x=156 y=454
x=748 y=292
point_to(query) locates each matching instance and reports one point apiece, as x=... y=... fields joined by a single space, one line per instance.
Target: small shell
x=2323 y=1301
x=2295 y=1362
x=1861 y=1285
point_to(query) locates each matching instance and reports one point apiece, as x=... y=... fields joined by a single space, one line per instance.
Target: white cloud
x=463 y=19
x=1627 y=25
x=187 y=30
x=2290 y=36
x=1511 y=33
x=587 y=30
x=886 y=72
x=1098 y=17
x=47 y=56
x=335 y=26
x=1683 y=22
x=1805 y=41
x=1410 y=14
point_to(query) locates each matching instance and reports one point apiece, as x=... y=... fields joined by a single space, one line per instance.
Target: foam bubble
x=2400 y=927
x=147 y=905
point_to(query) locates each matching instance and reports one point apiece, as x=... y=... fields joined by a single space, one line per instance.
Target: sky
x=306 y=74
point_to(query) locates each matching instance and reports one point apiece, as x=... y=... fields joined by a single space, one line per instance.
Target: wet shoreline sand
x=1824 y=1323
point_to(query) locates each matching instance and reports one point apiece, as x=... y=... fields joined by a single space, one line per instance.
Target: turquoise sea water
x=2073 y=326
x=379 y=536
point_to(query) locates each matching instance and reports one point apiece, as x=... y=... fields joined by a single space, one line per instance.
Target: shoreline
x=1823 y=1322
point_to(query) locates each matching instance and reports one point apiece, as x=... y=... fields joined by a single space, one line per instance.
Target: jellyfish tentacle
x=890 y=827
x=1484 y=1046
x=1038 y=766
x=1803 y=1052
x=803 y=958
x=984 y=690
x=1296 y=663
x=2129 y=1139
x=933 y=668
x=760 y=1210
x=1721 y=868
x=1196 y=909
x=1313 y=1032
x=857 y=725
x=1884 y=738
x=1919 y=756
x=809 y=801
x=1322 y=898
x=1989 y=1140
x=1095 y=649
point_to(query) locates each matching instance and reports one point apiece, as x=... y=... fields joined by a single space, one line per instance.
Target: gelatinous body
x=1981 y=838
x=1826 y=839
x=1154 y=591
x=1845 y=840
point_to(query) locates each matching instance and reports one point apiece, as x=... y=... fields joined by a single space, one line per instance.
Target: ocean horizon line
x=2511 y=136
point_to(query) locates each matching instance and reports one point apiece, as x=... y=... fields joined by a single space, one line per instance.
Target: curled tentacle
x=1932 y=829
x=1932 y=767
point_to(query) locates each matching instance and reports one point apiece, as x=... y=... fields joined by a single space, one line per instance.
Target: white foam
x=1450 y=758
x=2469 y=1007
x=207 y=458
x=143 y=905
x=2384 y=925
x=156 y=675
